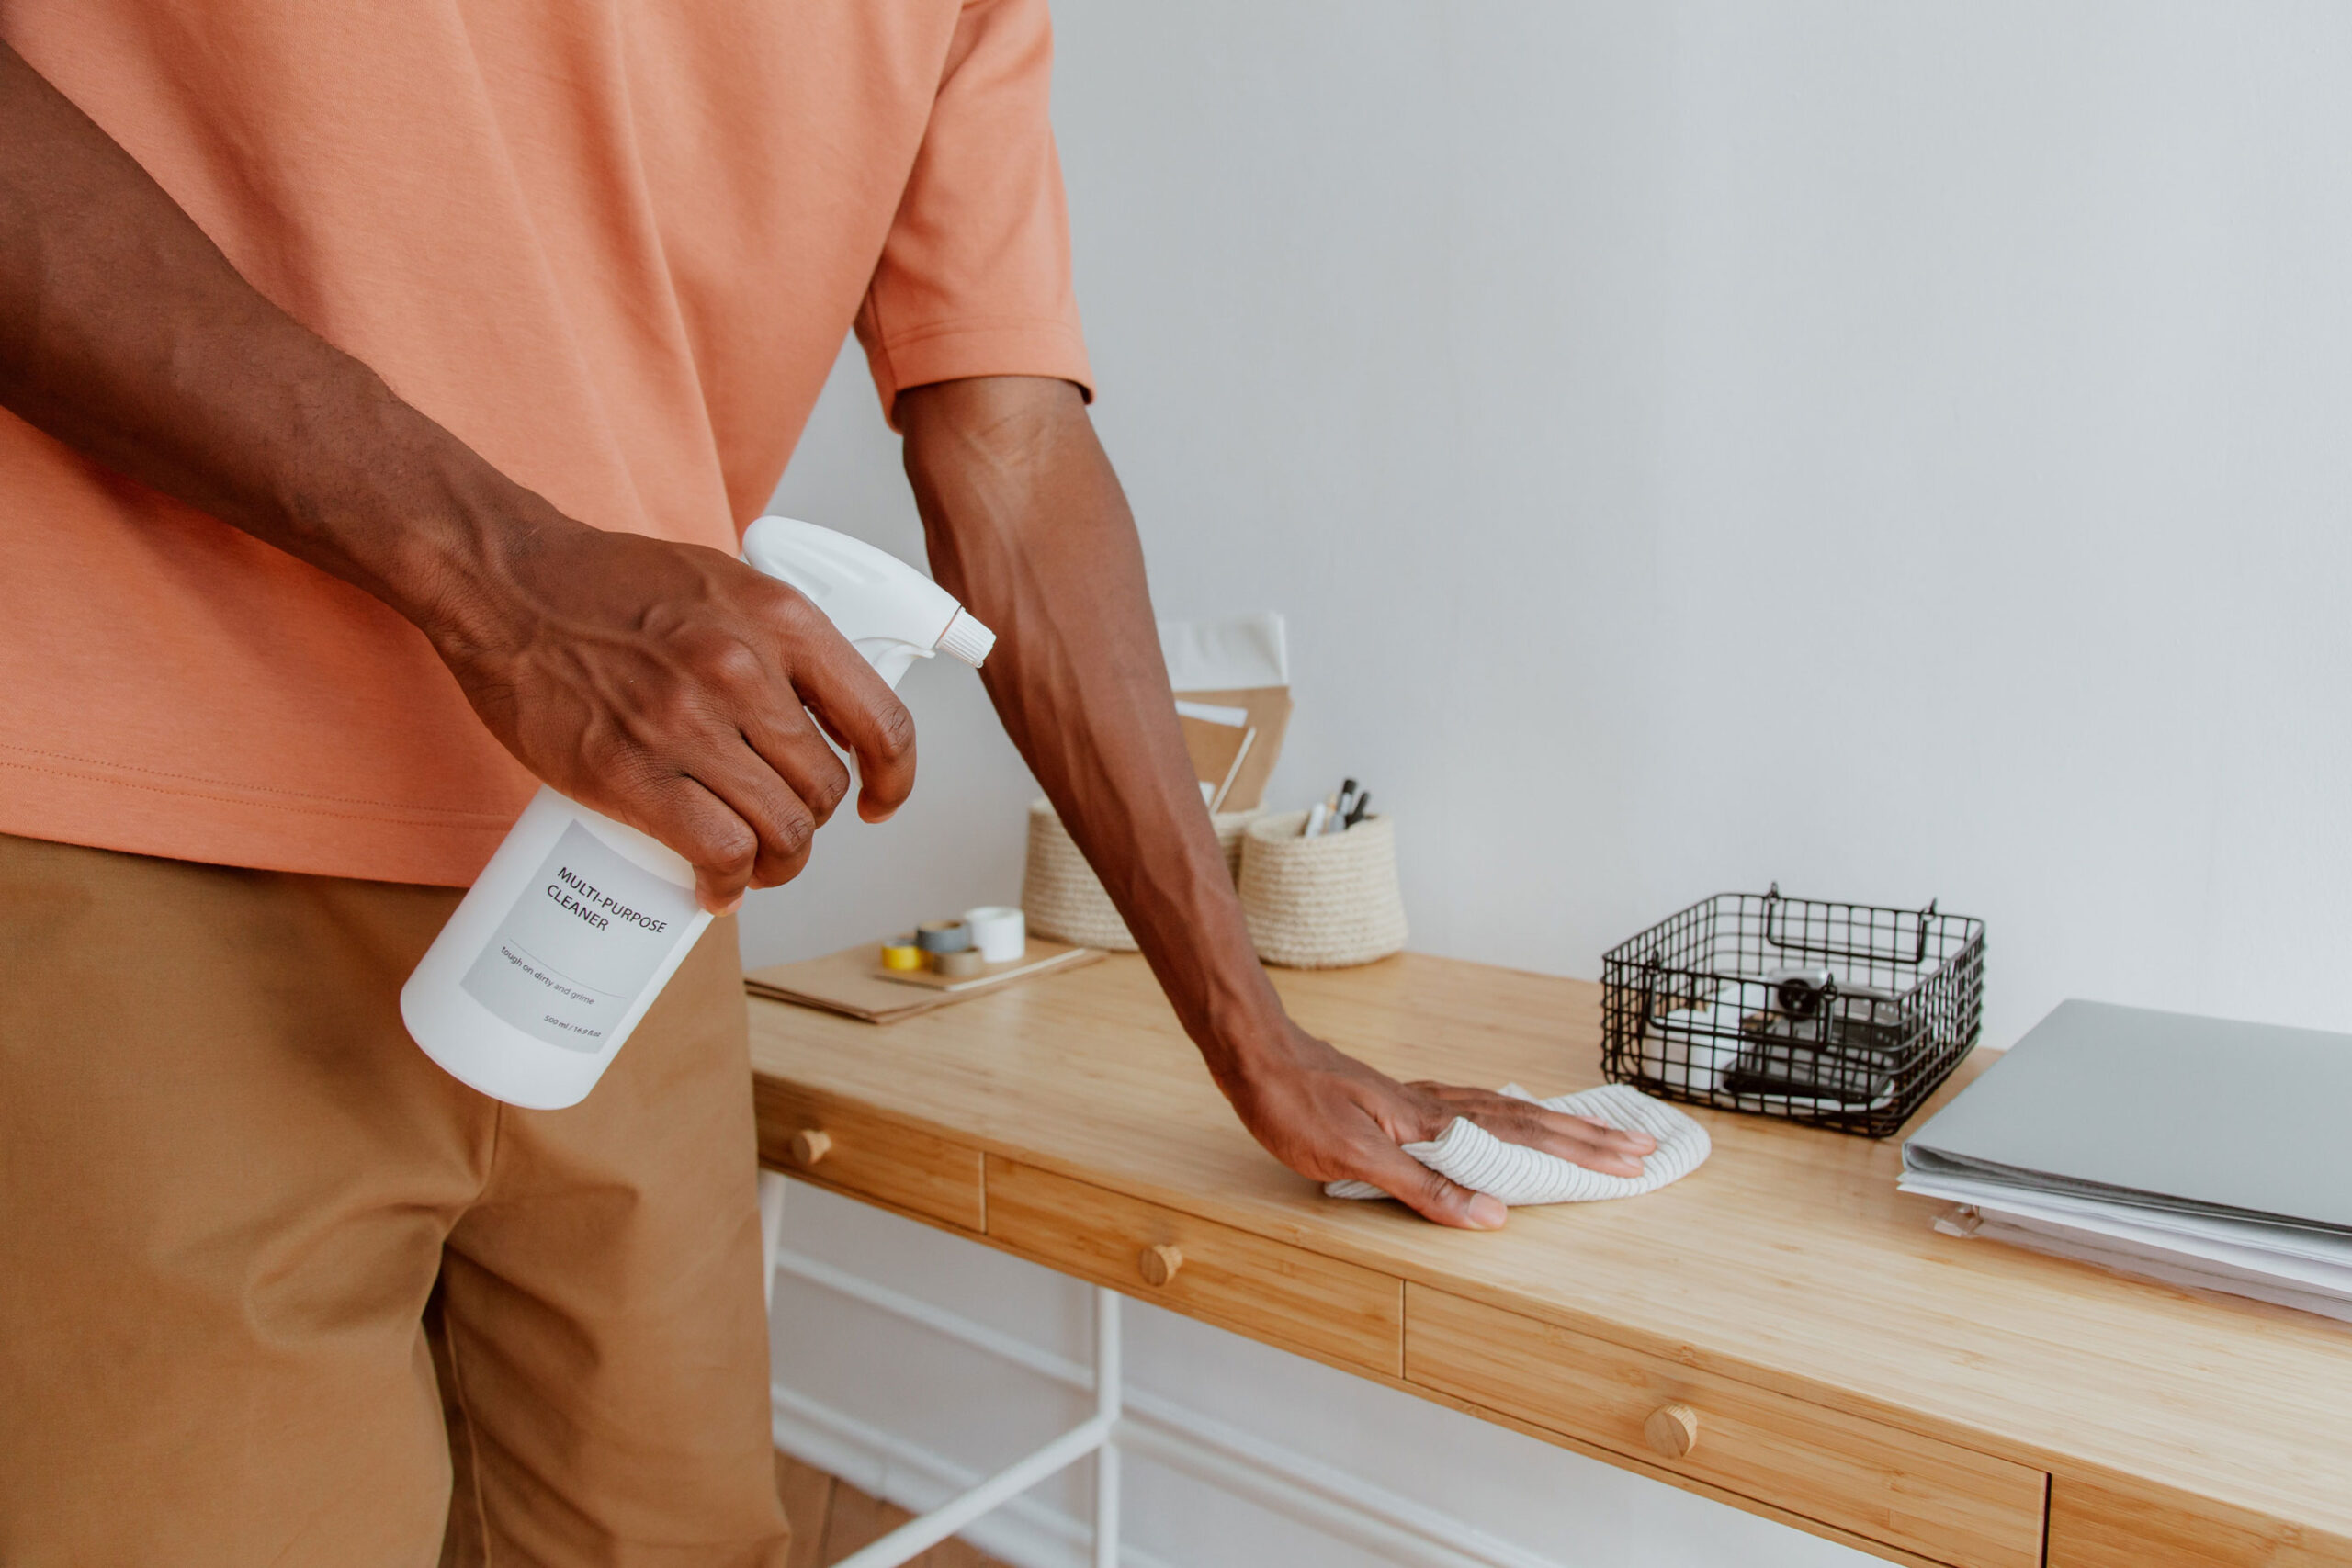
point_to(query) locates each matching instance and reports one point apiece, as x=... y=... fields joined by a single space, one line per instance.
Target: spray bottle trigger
x=890 y=658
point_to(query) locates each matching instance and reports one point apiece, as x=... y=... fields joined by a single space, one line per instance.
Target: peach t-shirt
x=613 y=246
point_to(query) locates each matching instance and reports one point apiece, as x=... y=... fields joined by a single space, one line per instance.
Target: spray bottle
x=579 y=921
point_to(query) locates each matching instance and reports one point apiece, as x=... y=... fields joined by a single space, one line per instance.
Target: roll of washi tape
x=900 y=953
x=960 y=964
x=998 y=932
x=943 y=936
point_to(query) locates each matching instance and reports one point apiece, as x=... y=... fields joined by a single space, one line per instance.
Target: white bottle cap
x=966 y=639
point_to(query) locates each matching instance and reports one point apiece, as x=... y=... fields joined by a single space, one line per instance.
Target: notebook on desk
x=2197 y=1150
x=2162 y=1110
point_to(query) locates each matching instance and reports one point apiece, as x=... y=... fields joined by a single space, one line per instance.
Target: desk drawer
x=2109 y=1525
x=868 y=1156
x=1922 y=1495
x=1267 y=1289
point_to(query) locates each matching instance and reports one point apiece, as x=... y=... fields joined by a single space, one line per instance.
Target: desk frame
x=1097 y=1436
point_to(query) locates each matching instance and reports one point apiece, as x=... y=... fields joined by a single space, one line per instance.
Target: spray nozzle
x=966 y=639
x=890 y=612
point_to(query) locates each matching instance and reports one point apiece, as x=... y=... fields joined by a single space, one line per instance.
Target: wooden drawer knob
x=1672 y=1429
x=1159 y=1263
x=810 y=1146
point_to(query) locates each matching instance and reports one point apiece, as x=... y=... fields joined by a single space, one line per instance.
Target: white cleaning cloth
x=1514 y=1174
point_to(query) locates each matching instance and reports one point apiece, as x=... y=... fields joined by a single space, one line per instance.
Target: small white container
x=1000 y=931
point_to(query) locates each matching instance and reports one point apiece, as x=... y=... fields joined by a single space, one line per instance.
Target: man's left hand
x=1332 y=1118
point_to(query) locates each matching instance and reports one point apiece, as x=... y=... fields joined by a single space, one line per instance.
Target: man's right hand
x=664 y=685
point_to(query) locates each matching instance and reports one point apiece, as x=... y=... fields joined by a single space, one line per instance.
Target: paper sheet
x=1233 y=654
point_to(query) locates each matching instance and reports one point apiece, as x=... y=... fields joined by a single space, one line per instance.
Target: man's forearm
x=126 y=334
x=1027 y=525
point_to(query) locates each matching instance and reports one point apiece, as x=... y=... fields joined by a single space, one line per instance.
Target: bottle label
x=579 y=946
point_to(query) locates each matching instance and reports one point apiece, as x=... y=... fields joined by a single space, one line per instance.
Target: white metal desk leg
x=1108 y=1405
x=771 y=1231
x=919 y=1534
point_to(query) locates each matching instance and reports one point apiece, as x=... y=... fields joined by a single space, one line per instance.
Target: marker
x=1356 y=815
x=1315 y=821
x=1341 y=805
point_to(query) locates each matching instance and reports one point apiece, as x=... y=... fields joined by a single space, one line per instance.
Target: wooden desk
x=1849 y=1371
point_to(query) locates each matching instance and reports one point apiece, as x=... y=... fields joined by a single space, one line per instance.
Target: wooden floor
x=831 y=1519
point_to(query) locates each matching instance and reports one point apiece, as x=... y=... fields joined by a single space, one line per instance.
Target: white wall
x=1895 y=450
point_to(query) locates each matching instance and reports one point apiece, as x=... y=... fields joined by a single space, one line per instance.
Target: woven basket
x=1326 y=902
x=1062 y=897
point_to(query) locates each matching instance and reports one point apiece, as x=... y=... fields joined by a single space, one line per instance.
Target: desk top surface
x=1788 y=1260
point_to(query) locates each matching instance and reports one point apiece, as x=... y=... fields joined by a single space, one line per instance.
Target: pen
x=1356 y=815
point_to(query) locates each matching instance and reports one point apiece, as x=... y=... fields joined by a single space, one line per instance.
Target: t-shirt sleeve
x=975 y=278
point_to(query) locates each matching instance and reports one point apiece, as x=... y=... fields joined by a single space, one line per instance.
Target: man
x=387 y=388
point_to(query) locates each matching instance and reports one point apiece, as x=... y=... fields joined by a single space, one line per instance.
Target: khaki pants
x=275 y=1289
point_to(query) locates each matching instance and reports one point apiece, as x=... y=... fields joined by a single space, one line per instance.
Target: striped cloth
x=1516 y=1174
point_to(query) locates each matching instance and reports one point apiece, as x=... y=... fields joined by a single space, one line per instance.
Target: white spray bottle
x=579 y=921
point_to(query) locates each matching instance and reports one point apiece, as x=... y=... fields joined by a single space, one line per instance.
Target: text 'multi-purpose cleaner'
x=579 y=921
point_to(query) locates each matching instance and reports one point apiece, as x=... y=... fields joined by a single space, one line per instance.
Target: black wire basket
x=1844 y=1015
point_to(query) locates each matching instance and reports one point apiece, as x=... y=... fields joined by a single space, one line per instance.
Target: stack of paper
x=2192 y=1150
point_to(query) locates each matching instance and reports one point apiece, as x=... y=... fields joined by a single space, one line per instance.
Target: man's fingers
x=781 y=822
x=719 y=843
x=731 y=817
x=1580 y=1140
x=1427 y=1193
x=1632 y=1138
x=1572 y=1138
x=751 y=691
x=789 y=744
x=858 y=708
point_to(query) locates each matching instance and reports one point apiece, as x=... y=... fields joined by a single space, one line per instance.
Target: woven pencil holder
x=1326 y=902
x=1061 y=896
